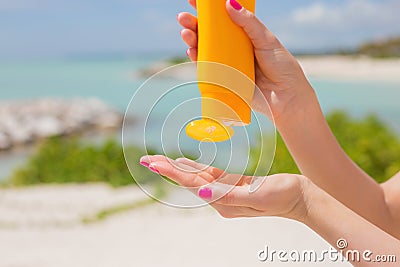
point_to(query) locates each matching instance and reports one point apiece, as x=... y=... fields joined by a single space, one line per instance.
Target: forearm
x=320 y=157
x=333 y=221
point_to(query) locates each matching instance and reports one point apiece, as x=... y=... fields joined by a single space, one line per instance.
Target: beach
x=41 y=226
x=54 y=225
x=351 y=68
x=332 y=67
x=87 y=88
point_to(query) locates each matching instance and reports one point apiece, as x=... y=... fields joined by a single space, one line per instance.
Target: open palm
x=230 y=194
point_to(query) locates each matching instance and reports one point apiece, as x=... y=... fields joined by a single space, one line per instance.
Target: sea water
x=115 y=80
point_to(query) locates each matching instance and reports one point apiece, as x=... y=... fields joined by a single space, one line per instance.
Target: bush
x=368 y=141
x=178 y=60
x=68 y=160
x=382 y=49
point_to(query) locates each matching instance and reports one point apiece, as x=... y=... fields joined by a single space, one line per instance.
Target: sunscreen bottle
x=226 y=72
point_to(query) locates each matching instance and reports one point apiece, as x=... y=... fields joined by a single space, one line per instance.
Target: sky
x=38 y=28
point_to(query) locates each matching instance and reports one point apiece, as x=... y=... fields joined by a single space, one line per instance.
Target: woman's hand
x=283 y=195
x=301 y=123
x=278 y=74
x=278 y=195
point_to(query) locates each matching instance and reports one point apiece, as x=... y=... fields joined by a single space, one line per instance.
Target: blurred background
x=68 y=70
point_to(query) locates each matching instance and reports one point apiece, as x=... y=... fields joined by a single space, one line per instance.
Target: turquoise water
x=115 y=81
x=361 y=98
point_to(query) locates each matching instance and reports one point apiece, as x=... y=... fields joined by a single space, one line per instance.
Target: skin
x=333 y=186
x=289 y=196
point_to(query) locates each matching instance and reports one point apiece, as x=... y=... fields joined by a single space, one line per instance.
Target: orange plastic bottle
x=226 y=72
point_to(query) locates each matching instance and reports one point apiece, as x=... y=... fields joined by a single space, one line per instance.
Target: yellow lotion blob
x=208 y=130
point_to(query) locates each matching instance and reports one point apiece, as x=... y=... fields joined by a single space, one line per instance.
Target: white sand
x=320 y=67
x=350 y=68
x=153 y=236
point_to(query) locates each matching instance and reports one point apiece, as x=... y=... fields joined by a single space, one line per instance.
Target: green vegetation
x=178 y=60
x=383 y=49
x=368 y=141
x=68 y=160
x=389 y=48
x=104 y=214
x=159 y=192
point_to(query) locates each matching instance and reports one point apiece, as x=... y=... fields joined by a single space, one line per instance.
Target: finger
x=193 y=3
x=215 y=172
x=186 y=179
x=189 y=37
x=219 y=175
x=149 y=161
x=227 y=195
x=187 y=21
x=192 y=54
x=261 y=37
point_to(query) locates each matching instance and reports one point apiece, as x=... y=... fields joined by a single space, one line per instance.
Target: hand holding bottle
x=278 y=74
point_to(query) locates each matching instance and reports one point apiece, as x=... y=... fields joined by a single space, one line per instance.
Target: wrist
x=311 y=199
x=302 y=106
x=315 y=199
x=301 y=210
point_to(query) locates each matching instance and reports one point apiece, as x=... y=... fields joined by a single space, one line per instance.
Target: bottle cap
x=209 y=130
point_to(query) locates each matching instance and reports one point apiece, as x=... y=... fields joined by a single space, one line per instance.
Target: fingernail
x=187 y=52
x=151 y=168
x=144 y=163
x=235 y=4
x=205 y=193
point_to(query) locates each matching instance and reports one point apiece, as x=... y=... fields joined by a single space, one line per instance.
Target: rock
x=187 y=71
x=21 y=134
x=108 y=121
x=48 y=126
x=26 y=121
x=5 y=142
x=17 y=131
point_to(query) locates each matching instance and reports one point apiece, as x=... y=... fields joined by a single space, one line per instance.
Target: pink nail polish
x=154 y=170
x=205 y=193
x=187 y=52
x=145 y=164
x=235 y=4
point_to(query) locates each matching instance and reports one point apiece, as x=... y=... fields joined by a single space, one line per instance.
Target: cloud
x=69 y=26
x=324 y=25
x=356 y=12
x=310 y=14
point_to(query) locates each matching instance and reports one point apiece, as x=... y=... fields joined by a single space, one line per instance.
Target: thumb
x=261 y=37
